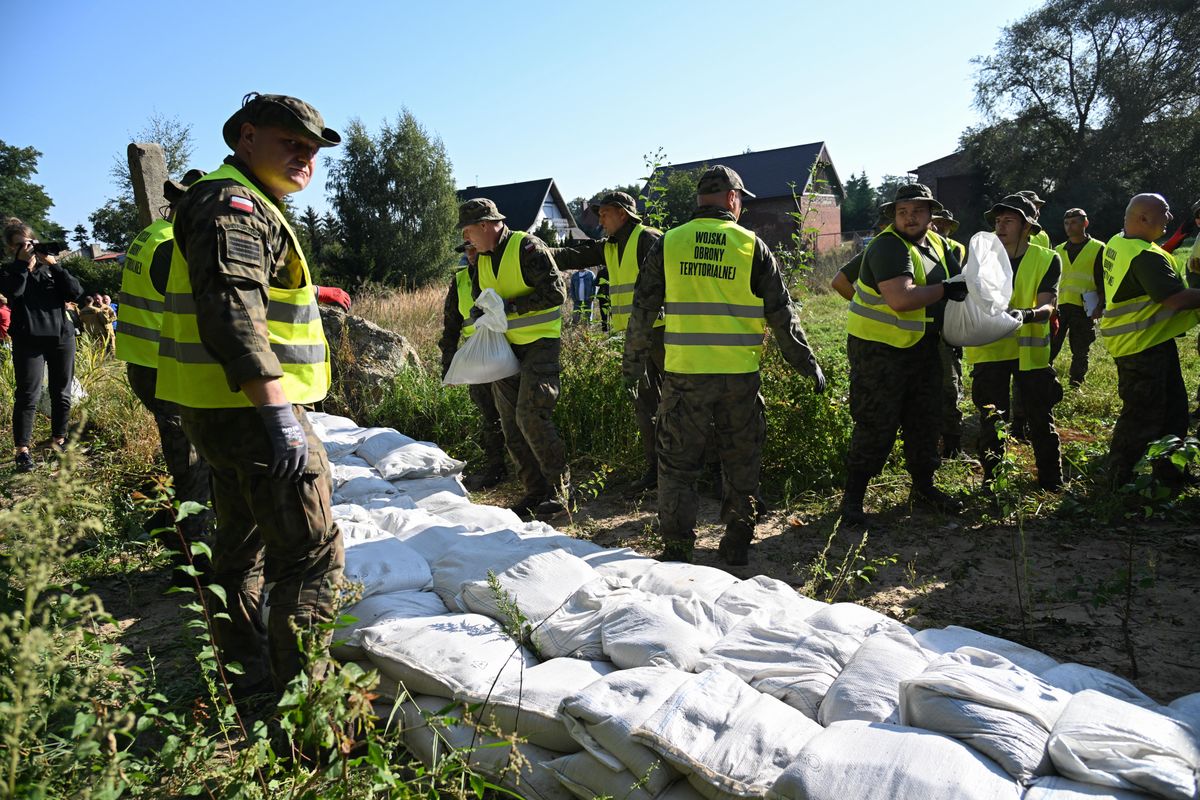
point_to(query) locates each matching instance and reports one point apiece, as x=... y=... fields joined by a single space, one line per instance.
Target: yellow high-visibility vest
x=1139 y=323
x=1077 y=275
x=871 y=318
x=622 y=278
x=466 y=303
x=1041 y=239
x=139 y=305
x=714 y=321
x=190 y=376
x=510 y=284
x=1030 y=343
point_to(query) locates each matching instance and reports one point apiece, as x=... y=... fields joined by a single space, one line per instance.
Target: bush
x=95 y=277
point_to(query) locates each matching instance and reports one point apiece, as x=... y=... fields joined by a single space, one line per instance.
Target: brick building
x=959 y=187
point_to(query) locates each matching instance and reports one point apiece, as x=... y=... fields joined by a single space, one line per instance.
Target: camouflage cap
x=478 y=209
x=1017 y=203
x=1075 y=212
x=946 y=214
x=279 y=110
x=1032 y=196
x=173 y=190
x=621 y=200
x=721 y=178
x=910 y=191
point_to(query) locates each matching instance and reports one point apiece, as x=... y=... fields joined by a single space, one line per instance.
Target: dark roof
x=769 y=173
x=955 y=161
x=520 y=202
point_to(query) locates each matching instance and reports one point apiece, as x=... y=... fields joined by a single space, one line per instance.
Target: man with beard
x=892 y=347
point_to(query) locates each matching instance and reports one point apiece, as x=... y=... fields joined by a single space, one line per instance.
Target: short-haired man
x=719 y=287
x=241 y=353
x=521 y=270
x=622 y=250
x=892 y=346
x=456 y=326
x=1081 y=256
x=1147 y=304
x=1021 y=359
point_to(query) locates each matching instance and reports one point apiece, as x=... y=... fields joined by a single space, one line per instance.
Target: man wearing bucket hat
x=456 y=326
x=1147 y=304
x=241 y=353
x=1021 y=359
x=719 y=287
x=622 y=250
x=1082 y=258
x=521 y=270
x=139 y=319
x=1039 y=236
x=892 y=347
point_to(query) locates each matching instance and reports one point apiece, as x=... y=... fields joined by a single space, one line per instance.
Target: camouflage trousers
x=526 y=403
x=693 y=408
x=952 y=415
x=1154 y=404
x=1036 y=391
x=649 y=395
x=1074 y=324
x=491 y=437
x=270 y=531
x=189 y=472
x=894 y=389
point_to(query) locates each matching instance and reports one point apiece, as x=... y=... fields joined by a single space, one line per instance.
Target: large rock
x=365 y=357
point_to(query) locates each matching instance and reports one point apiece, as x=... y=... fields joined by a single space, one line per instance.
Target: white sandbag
x=486 y=355
x=378 y=610
x=982 y=318
x=434 y=494
x=993 y=705
x=619 y=562
x=339 y=435
x=1076 y=678
x=386 y=565
x=539 y=585
x=949 y=639
x=575 y=630
x=868 y=688
x=661 y=631
x=1186 y=708
x=427 y=533
x=852 y=619
x=760 y=592
x=877 y=761
x=447 y=656
x=603 y=716
x=360 y=487
x=784 y=657
x=348 y=467
x=685 y=580
x=586 y=777
x=354 y=533
x=526 y=703
x=732 y=737
x=475 y=516
x=468 y=559
x=1056 y=787
x=1106 y=741
x=513 y=766
x=397 y=456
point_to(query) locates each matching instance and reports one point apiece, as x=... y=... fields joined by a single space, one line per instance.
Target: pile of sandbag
x=624 y=677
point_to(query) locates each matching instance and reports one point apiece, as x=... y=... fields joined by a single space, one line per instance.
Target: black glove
x=818 y=379
x=289 y=445
x=476 y=313
x=1024 y=315
x=956 y=290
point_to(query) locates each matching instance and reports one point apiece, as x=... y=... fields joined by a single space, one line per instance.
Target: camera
x=49 y=248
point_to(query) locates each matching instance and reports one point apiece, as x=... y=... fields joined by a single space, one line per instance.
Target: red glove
x=333 y=296
x=1054 y=323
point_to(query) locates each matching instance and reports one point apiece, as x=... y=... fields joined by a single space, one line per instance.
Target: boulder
x=364 y=357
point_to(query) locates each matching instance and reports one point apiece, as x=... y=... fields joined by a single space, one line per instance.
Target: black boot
x=925 y=494
x=951 y=447
x=852 y=500
x=647 y=482
x=484 y=479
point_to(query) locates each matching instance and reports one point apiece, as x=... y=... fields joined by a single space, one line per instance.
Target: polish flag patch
x=241 y=204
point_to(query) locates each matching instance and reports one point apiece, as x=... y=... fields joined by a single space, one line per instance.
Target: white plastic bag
x=486 y=355
x=982 y=318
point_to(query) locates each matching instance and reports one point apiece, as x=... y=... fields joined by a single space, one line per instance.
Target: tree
x=579 y=208
x=1090 y=102
x=859 y=208
x=885 y=192
x=547 y=233
x=671 y=196
x=20 y=197
x=115 y=223
x=80 y=236
x=395 y=203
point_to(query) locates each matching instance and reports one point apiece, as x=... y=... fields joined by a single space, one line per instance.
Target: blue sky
x=578 y=92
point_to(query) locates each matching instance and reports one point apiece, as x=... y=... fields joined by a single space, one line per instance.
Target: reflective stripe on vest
x=714 y=321
x=190 y=376
x=510 y=284
x=1030 y=343
x=1077 y=274
x=1139 y=323
x=466 y=303
x=139 y=305
x=871 y=318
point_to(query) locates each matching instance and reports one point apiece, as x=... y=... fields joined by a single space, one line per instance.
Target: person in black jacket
x=38 y=289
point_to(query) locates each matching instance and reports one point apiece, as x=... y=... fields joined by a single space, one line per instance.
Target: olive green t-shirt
x=887 y=257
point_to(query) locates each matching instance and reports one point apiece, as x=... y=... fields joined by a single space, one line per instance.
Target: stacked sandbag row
x=631 y=678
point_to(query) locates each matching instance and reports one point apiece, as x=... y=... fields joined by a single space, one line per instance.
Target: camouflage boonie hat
x=721 y=179
x=1032 y=196
x=280 y=110
x=1075 y=212
x=478 y=209
x=945 y=213
x=1017 y=203
x=173 y=190
x=619 y=199
x=911 y=191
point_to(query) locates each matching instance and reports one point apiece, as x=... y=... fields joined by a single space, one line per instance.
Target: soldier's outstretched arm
x=767 y=282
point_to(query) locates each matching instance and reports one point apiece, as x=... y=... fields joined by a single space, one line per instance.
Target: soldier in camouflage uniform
x=491 y=437
x=895 y=368
x=719 y=287
x=621 y=221
x=945 y=225
x=270 y=474
x=534 y=292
